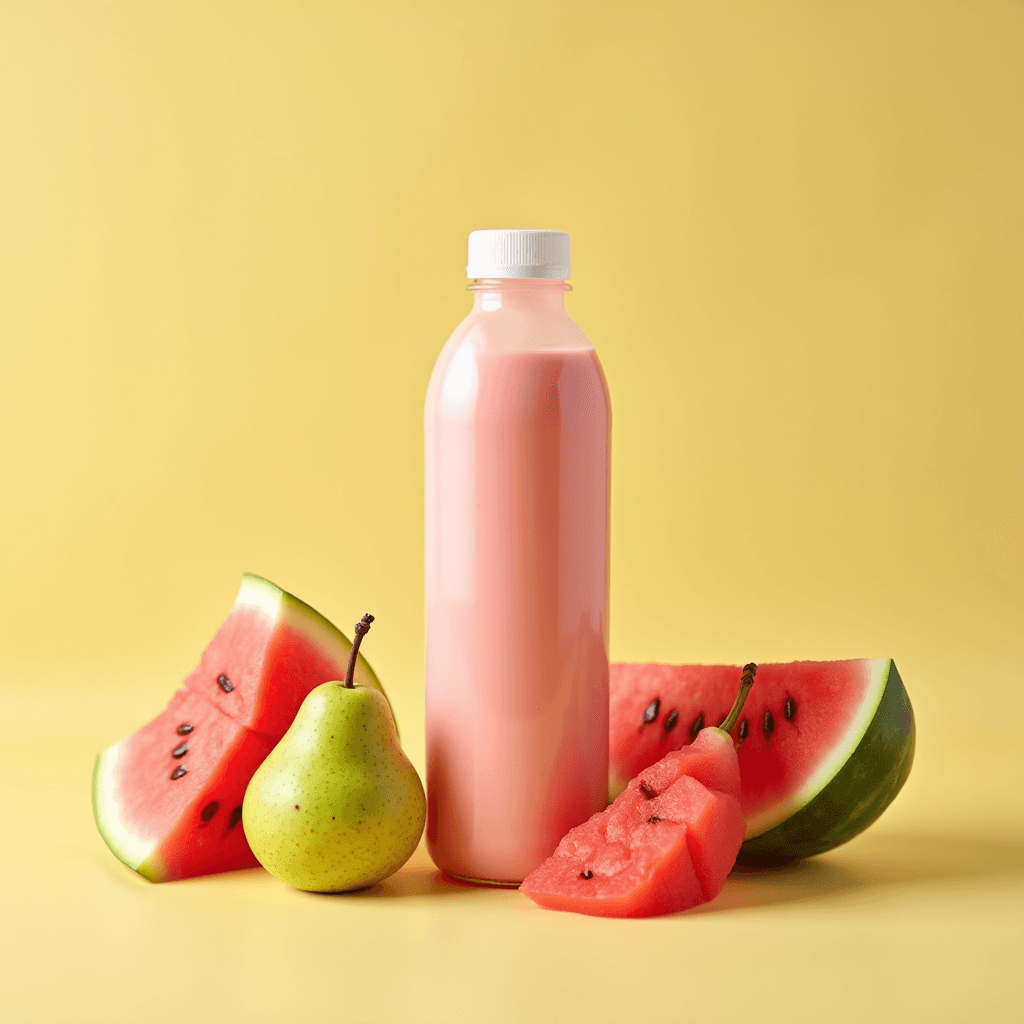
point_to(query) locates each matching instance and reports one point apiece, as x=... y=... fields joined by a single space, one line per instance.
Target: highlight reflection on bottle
x=517 y=426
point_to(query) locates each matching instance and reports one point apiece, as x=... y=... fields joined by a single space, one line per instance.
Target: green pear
x=336 y=805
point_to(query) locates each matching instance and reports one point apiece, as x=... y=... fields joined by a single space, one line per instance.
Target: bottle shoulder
x=510 y=340
x=472 y=384
x=519 y=328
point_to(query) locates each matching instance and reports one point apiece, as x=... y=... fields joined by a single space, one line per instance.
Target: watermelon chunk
x=168 y=799
x=667 y=843
x=823 y=746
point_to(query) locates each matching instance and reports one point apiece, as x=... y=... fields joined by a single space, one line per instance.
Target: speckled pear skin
x=336 y=805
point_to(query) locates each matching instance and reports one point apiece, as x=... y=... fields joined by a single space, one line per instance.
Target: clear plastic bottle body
x=517 y=424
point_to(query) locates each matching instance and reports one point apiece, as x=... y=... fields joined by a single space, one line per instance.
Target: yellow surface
x=232 y=241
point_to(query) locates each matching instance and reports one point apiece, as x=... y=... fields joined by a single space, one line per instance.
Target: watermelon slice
x=279 y=644
x=168 y=799
x=666 y=844
x=824 y=747
x=174 y=827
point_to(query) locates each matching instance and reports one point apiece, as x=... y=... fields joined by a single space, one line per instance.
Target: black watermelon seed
x=587 y=874
x=790 y=711
x=179 y=772
x=647 y=791
x=743 y=730
x=224 y=683
x=768 y=724
x=670 y=722
x=698 y=724
x=180 y=751
x=185 y=728
x=653 y=819
x=651 y=711
x=209 y=811
x=236 y=817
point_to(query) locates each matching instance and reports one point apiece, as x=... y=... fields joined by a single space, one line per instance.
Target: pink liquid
x=517 y=588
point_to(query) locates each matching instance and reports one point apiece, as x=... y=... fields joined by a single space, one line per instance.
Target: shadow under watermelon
x=862 y=869
x=871 y=864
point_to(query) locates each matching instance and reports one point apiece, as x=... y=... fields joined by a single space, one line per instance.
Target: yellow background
x=232 y=243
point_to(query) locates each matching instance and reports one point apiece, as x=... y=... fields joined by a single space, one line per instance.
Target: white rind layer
x=256 y=592
x=878 y=670
x=282 y=607
x=126 y=844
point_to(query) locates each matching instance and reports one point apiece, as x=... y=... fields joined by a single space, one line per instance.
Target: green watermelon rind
x=780 y=810
x=282 y=606
x=873 y=764
x=124 y=843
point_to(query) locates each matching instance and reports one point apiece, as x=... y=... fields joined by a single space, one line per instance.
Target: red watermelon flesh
x=799 y=724
x=269 y=653
x=667 y=843
x=702 y=760
x=167 y=799
x=186 y=819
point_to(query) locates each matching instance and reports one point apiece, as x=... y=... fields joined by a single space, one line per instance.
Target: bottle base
x=493 y=883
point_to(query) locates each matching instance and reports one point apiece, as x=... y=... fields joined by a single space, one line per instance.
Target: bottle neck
x=526 y=293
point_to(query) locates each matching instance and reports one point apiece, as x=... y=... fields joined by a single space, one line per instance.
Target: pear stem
x=746 y=682
x=362 y=628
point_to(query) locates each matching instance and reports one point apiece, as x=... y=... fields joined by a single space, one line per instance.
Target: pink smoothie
x=517 y=463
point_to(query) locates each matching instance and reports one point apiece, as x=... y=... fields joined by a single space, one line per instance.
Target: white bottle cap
x=518 y=254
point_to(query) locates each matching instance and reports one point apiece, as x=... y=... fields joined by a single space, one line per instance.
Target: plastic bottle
x=517 y=425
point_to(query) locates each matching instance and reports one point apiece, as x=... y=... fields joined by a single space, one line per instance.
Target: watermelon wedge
x=279 y=644
x=168 y=799
x=174 y=827
x=667 y=843
x=823 y=747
